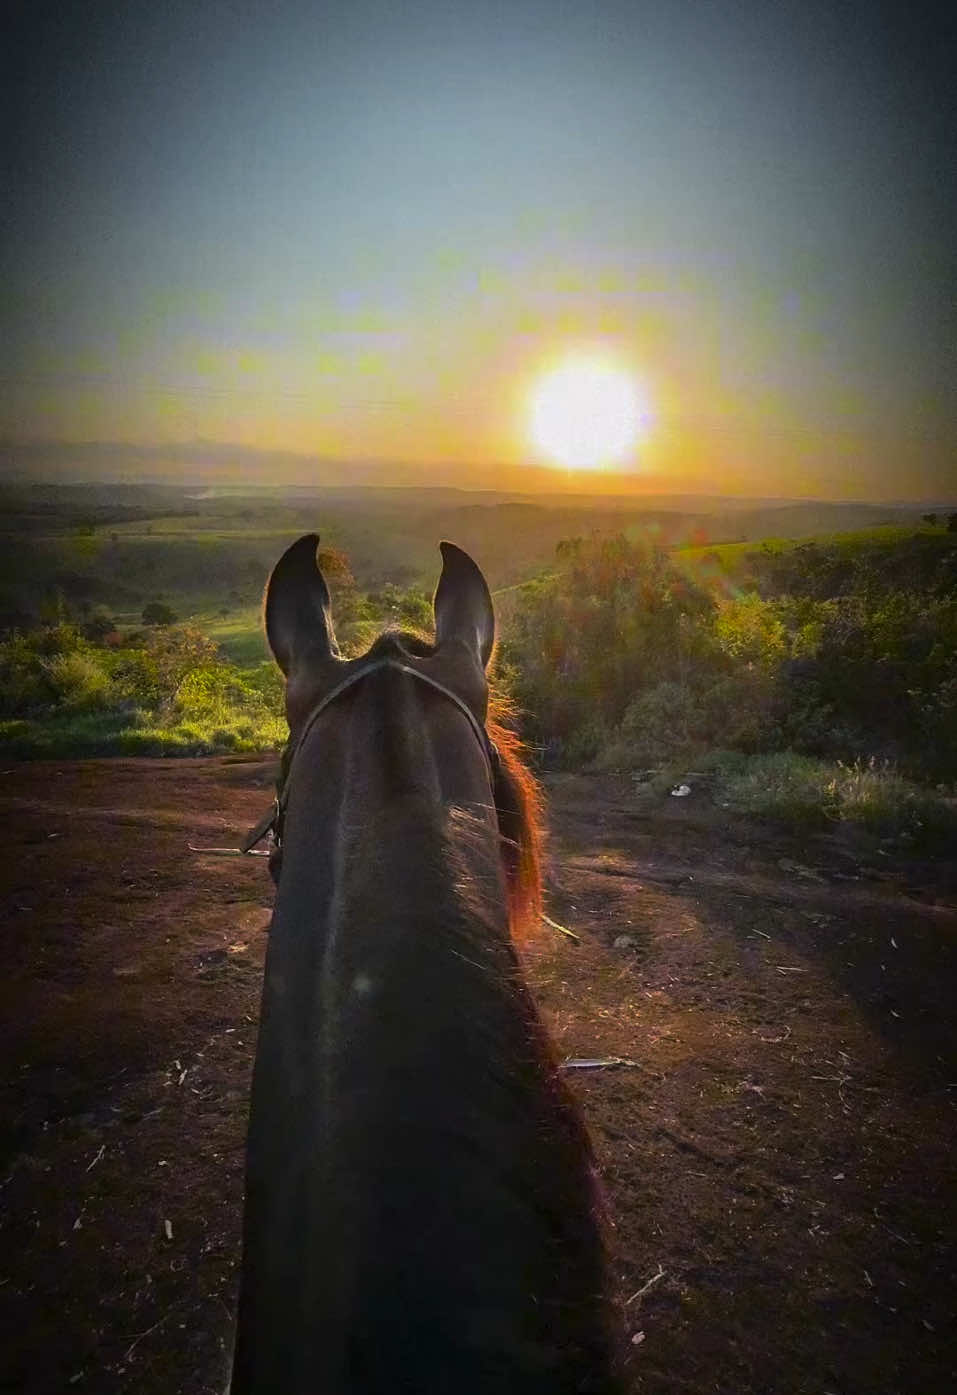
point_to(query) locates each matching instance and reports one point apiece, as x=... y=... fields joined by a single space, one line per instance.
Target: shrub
x=170 y=695
x=157 y=613
x=751 y=631
x=586 y=743
x=50 y=667
x=24 y=682
x=805 y=792
x=664 y=721
x=99 y=626
x=77 y=681
x=614 y=619
x=741 y=710
x=783 y=785
x=135 y=678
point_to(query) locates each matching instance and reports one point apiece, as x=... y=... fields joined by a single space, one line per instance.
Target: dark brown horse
x=421 y=1208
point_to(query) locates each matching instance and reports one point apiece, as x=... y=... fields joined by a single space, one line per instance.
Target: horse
x=422 y=1215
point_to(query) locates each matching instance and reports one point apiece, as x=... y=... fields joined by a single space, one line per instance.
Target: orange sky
x=362 y=235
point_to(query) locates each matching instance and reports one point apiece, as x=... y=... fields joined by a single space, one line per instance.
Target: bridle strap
x=273 y=820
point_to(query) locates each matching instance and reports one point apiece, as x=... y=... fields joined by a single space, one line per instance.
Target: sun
x=586 y=413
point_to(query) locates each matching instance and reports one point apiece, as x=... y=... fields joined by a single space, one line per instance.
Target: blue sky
x=362 y=231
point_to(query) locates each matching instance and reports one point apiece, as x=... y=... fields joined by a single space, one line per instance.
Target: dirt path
x=779 y=1161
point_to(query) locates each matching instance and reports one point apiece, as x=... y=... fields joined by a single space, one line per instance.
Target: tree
x=157 y=613
x=613 y=618
x=99 y=625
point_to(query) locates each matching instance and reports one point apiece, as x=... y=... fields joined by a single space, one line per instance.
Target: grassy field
x=733 y=555
x=201 y=552
x=207 y=561
x=239 y=634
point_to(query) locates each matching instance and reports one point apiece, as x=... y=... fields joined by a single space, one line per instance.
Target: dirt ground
x=778 y=1152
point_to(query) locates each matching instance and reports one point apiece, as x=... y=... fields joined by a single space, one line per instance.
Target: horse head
x=301 y=635
x=421 y=1210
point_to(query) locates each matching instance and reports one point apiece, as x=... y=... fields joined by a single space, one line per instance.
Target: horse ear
x=462 y=605
x=298 y=618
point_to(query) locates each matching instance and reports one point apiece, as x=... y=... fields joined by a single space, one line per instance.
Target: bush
x=663 y=722
x=804 y=792
x=210 y=692
x=50 y=667
x=614 y=619
x=171 y=695
x=100 y=624
x=77 y=681
x=782 y=785
x=618 y=658
x=751 y=631
x=24 y=682
x=586 y=743
x=156 y=613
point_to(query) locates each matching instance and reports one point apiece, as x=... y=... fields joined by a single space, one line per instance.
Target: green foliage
x=875 y=673
x=621 y=657
x=167 y=689
x=158 y=613
x=238 y=633
x=783 y=785
x=614 y=618
x=216 y=692
x=78 y=682
x=751 y=630
x=663 y=722
x=805 y=792
x=618 y=659
x=50 y=667
x=359 y=619
x=98 y=624
x=24 y=682
x=169 y=693
x=894 y=561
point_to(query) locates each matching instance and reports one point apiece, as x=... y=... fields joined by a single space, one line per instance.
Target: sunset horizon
x=364 y=236
x=232 y=466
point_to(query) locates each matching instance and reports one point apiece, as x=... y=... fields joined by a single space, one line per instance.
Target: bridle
x=274 y=819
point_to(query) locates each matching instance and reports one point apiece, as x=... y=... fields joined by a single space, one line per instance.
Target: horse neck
x=388 y=851
x=390 y=891
x=411 y=1152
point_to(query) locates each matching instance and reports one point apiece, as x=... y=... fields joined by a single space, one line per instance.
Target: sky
x=362 y=232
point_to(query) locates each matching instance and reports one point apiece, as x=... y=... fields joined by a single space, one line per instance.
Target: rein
x=274 y=818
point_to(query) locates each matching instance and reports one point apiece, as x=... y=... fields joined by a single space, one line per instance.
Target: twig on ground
x=597 y=1062
x=228 y=852
x=655 y=1278
x=140 y=1335
x=562 y=929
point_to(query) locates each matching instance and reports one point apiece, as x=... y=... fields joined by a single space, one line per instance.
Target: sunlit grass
x=197 y=530
x=805 y=792
x=730 y=553
x=238 y=634
x=113 y=734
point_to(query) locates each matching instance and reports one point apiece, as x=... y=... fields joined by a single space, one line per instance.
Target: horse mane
x=518 y=803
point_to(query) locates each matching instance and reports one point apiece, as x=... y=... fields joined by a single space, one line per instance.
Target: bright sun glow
x=586 y=414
